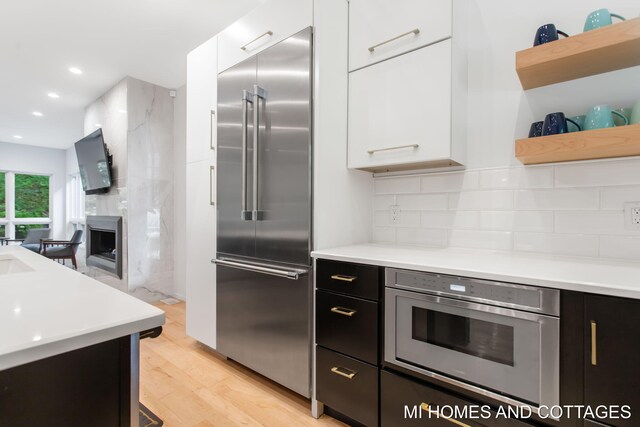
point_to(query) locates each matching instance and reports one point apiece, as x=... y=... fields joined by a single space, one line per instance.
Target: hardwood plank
x=609 y=48
x=619 y=141
x=187 y=384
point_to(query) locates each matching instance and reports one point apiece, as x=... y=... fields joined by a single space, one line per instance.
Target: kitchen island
x=69 y=350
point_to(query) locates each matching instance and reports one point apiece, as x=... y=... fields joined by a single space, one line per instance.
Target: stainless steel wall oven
x=497 y=339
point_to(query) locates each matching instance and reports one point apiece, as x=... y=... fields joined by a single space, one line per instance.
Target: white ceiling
x=107 y=40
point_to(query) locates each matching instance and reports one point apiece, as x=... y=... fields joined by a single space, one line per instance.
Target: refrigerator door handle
x=259 y=94
x=247 y=97
x=293 y=274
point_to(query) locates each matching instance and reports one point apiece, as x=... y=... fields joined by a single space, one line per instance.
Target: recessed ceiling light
x=37 y=113
x=122 y=111
x=98 y=125
x=17 y=136
x=75 y=70
x=53 y=95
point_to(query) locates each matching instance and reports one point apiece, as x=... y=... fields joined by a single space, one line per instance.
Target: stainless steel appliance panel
x=283 y=226
x=236 y=234
x=468 y=332
x=263 y=323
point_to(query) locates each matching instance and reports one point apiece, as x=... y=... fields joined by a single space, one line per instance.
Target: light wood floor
x=186 y=384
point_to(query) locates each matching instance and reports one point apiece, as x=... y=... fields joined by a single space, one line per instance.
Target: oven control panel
x=488 y=292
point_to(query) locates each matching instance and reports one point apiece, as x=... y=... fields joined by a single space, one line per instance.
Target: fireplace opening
x=103 y=244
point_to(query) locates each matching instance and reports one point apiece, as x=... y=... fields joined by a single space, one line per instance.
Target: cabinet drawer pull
x=399 y=147
x=268 y=33
x=374 y=47
x=344 y=311
x=343 y=372
x=425 y=407
x=594 y=348
x=343 y=278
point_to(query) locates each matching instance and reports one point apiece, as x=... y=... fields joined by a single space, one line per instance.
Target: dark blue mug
x=555 y=123
x=535 y=130
x=547 y=33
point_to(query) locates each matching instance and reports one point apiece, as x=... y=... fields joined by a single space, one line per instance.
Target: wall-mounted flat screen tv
x=94 y=162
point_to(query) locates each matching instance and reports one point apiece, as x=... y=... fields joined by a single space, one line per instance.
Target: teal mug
x=600 y=18
x=601 y=116
x=576 y=119
x=625 y=112
x=635 y=114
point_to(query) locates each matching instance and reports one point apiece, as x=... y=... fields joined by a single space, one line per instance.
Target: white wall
x=38 y=160
x=497 y=204
x=179 y=186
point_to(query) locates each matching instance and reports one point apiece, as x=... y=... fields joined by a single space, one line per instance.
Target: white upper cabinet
x=381 y=29
x=265 y=26
x=400 y=111
x=408 y=97
x=201 y=101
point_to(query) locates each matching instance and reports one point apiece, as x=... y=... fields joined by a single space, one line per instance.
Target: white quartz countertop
x=577 y=274
x=48 y=309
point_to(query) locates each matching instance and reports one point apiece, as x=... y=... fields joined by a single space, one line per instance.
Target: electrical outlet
x=395 y=213
x=632 y=215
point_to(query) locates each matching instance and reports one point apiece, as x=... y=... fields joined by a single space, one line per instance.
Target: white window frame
x=10 y=221
x=75 y=200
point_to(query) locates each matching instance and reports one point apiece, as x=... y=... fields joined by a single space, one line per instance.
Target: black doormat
x=148 y=418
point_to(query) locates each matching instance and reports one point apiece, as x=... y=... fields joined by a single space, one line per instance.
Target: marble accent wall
x=150 y=186
x=109 y=112
x=137 y=122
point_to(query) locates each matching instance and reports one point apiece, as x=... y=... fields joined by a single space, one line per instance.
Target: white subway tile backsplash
x=422 y=202
x=450 y=219
x=614 y=198
x=452 y=181
x=401 y=185
x=557 y=244
x=384 y=235
x=421 y=237
x=382 y=203
x=536 y=177
x=598 y=174
x=406 y=219
x=566 y=209
x=517 y=221
x=492 y=240
x=592 y=223
x=557 y=199
x=481 y=200
x=625 y=248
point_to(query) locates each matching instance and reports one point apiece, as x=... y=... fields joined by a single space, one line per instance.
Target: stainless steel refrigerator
x=263 y=264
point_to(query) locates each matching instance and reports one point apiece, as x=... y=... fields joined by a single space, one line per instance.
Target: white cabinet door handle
x=415 y=31
x=268 y=33
x=399 y=147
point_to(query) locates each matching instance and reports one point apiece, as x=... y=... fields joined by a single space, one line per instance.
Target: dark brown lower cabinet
x=90 y=386
x=612 y=356
x=347 y=385
x=347 y=325
x=406 y=402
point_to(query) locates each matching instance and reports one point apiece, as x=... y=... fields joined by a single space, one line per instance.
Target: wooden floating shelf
x=620 y=141
x=609 y=48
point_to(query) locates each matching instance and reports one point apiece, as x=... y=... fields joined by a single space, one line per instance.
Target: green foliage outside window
x=32 y=197
x=3 y=209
